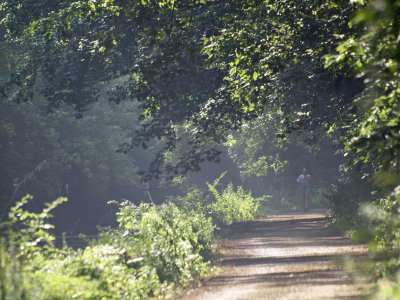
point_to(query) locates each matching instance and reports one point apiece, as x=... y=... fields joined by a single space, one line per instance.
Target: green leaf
x=255 y=75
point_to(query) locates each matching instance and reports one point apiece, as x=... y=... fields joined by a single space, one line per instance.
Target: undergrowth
x=224 y=205
x=384 y=244
x=370 y=217
x=154 y=250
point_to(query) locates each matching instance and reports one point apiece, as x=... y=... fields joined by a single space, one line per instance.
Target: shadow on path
x=282 y=257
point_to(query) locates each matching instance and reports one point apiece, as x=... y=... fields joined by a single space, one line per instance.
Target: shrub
x=232 y=205
x=381 y=228
x=195 y=200
x=345 y=199
x=224 y=207
x=154 y=249
x=384 y=220
x=166 y=238
x=11 y=286
x=96 y=272
x=386 y=289
x=26 y=240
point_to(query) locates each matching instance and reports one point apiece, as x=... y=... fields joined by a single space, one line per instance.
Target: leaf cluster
x=374 y=55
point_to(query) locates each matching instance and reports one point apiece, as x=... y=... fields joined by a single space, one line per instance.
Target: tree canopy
x=215 y=65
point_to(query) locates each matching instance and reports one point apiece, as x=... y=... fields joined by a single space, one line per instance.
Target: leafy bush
x=154 y=249
x=378 y=223
x=384 y=230
x=387 y=289
x=165 y=238
x=195 y=200
x=231 y=206
x=11 y=286
x=345 y=200
x=97 y=272
x=26 y=240
x=224 y=207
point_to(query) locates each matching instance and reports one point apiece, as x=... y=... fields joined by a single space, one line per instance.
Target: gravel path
x=292 y=256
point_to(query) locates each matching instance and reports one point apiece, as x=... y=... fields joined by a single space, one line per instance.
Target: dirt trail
x=282 y=257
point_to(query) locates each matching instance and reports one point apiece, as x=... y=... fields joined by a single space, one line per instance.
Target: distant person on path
x=304 y=180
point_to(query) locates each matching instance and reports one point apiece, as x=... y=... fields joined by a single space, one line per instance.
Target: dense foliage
x=210 y=63
x=374 y=55
x=267 y=161
x=154 y=249
x=224 y=205
x=53 y=155
x=372 y=141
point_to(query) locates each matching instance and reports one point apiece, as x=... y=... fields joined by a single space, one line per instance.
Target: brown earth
x=290 y=256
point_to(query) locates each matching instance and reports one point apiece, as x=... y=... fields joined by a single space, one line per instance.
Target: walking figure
x=304 y=180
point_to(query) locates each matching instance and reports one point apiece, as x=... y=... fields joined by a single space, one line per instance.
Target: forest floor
x=288 y=256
